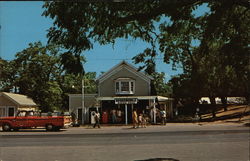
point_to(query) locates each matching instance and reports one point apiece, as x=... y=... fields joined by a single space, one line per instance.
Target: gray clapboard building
x=120 y=90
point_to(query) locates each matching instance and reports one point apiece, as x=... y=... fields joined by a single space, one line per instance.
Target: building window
x=124 y=86
x=2 y=112
x=11 y=111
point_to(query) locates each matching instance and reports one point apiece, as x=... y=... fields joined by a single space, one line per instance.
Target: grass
x=234 y=113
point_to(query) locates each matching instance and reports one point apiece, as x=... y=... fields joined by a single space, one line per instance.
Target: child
x=144 y=121
x=140 y=119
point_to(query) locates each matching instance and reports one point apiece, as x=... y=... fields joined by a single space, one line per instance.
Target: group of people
x=138 y=121
x=116 y=116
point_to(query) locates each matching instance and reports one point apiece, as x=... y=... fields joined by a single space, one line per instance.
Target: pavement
x=173 y=128
x=175 y=142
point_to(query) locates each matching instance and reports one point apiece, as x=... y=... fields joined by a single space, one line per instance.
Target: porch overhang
x=159 y=98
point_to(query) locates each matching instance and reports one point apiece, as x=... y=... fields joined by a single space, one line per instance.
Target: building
x=120 y=90
x=10 y=103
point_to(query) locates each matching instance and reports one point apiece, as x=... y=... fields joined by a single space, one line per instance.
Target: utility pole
x=83 y=108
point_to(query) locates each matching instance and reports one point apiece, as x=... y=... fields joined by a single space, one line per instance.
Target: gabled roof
x=120 y=66
x=19 y=99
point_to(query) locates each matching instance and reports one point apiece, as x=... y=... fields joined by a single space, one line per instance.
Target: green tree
x=42 y=73
x=210 y=47
x=37 y=69
x=162 y=88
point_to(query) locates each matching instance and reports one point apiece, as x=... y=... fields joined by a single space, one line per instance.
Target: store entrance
x=129 y=113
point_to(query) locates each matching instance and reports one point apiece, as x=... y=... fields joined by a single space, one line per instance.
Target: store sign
x=126 y=100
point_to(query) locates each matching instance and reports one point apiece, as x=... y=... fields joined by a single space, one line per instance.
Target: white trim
x=103 y=75
x=120 y=92
x=80 y=95
x=120 y=66
x=160 y=98
x=99 y=90
x=139 y=74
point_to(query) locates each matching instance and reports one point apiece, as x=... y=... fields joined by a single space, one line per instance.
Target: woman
x=135 y=119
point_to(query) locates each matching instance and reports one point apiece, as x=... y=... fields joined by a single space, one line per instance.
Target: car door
x=20 y=120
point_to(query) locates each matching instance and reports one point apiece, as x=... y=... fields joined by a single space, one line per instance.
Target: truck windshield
x=27 y=113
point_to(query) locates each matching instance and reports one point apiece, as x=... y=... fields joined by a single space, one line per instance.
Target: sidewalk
x=169 y=128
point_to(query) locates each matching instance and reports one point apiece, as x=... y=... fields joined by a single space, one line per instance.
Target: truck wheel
x=49 y=127
x=6 y=127
x=16 y=129
x=57 y=128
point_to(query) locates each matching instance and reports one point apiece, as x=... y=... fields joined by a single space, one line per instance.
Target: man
x=97 y=120
x=164 y=117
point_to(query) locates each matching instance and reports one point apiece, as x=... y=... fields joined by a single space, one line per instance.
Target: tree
x=205 y=46
x=160 y=85
x=37 y=69
x=41 y=73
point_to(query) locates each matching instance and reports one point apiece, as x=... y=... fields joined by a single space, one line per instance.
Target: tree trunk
x=213 y=105
x=224 y=102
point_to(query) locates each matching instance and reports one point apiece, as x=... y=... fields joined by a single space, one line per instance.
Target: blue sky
x=22 y=23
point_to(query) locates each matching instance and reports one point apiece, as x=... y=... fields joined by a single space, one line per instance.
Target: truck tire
x=16 y=129
x=6 y=127
x=57 y=128
x=49 y=127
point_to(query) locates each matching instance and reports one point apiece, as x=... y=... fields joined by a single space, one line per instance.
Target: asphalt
x=170 y=129
x=180 y=142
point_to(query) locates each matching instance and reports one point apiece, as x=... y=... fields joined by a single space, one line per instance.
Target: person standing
x=113 y=115
x=119 y=116
x=164 y=117
x=97 y=120
x=135 y=119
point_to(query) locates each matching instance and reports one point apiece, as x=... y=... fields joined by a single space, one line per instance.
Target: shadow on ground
x=159 y=159
x=247 y=124
x=33 y=130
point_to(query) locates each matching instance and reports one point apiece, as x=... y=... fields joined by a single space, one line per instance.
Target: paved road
x=192 y=145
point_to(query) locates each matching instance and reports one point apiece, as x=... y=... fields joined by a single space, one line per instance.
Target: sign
x=126 y=100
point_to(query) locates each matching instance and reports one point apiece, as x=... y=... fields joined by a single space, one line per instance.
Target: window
x=117 y=87
x=11 y=111
x=124 y=86
x=2 y=112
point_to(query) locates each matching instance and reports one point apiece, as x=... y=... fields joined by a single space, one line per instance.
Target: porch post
x=126 y=114
x=154 y=112
x=83 y=107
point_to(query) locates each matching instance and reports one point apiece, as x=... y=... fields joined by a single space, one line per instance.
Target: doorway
x=79 y=115
x=11 y=111
x=129 y=113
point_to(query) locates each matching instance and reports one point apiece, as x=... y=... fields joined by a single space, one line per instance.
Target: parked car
x=33 y=119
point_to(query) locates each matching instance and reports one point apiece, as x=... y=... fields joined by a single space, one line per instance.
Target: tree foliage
x=39 y=72
x=160 y=86
x=212 y=48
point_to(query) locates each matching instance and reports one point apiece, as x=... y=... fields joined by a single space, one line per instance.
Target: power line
x=109 y=59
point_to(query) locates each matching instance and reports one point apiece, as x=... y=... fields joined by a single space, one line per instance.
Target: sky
x=22 y=23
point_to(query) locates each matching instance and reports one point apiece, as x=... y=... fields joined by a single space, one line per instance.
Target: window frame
x=131 y=86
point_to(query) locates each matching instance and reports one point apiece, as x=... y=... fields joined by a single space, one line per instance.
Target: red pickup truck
x=31 y=119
